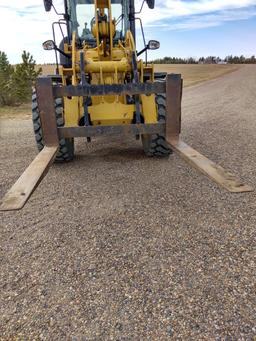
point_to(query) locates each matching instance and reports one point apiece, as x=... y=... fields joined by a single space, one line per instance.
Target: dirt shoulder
x=18 y=112
x=198 y=73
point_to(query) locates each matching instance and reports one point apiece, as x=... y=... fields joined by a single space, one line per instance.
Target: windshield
x=82 y=13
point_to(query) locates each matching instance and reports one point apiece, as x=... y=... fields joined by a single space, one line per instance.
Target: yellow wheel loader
x=102 y=87
x=100 y=49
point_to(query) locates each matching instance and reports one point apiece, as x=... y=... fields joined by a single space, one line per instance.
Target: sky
x=184 y=28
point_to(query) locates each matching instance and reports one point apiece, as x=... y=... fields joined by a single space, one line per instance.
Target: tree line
x=240 y=60
x=16 y=81
x=207 y=60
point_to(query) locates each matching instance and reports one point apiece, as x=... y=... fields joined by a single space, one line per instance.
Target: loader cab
x=80 y=17
x=81 y=14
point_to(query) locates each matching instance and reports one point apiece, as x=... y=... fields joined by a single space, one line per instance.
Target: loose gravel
x=118 y=246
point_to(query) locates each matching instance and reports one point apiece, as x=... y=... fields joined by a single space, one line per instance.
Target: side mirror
x=153 y=45
x=49 y=45
x=150 y=3
x=47 y=5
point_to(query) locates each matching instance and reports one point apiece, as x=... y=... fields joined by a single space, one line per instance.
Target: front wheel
x=66 y=146
x=155 y=144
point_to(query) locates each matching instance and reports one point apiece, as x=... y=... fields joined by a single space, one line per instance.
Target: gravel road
x=118 y=246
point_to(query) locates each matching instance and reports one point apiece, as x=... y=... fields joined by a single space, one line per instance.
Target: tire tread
x=66 y=147
x=155 y=144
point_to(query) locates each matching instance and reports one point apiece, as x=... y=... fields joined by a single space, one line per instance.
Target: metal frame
x=25 y=185
x=104 y=90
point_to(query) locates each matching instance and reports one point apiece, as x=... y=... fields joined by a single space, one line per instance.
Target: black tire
x=66 y=146
x=156 y=145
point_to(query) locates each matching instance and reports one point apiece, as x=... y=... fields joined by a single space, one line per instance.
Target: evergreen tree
x=24 y=77
x=6 y=71
x=253 y=59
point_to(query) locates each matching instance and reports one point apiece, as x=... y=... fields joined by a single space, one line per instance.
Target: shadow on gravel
x=111 y=155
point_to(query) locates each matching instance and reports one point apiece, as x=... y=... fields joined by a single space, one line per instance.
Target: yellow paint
x=71 y=111
x=108 y=66
x=149 y=110
x=74 y=59
x=111 y=113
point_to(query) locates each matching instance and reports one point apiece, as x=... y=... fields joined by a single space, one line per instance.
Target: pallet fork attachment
x=20 y=192
x=190 y=155
x=18 y=195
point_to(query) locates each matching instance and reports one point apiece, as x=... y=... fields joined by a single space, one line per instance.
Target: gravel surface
x=118 y=246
